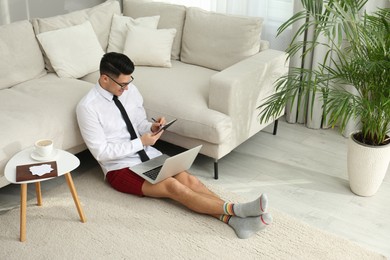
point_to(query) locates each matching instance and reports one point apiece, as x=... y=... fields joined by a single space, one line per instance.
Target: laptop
x=164 y=166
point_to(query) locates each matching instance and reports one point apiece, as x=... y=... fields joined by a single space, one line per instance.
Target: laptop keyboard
x=153 y=172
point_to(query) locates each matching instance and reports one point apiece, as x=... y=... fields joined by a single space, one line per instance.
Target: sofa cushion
x=171 y=16
x=21 y=58
x=72 y=58
x=119 y=28
x=100 y=17
x=208 y=37
x=150 y=47
x=188 y=86
x=54 y=100
x=91 y=77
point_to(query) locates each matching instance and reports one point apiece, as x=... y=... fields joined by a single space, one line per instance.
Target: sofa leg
x=275 y=126
x=216 y=169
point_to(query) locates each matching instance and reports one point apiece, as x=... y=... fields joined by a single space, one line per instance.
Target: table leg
x=75 y=197
x=23 y=209
x=38 y=192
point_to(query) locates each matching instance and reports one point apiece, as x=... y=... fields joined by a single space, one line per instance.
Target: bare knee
x=176 y=189
x=168 y=188
x=189 y=180
x=195 y=183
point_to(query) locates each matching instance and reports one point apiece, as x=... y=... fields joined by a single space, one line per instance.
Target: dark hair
x=114 y=64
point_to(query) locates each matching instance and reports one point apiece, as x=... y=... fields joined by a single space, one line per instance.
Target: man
x=108 y=136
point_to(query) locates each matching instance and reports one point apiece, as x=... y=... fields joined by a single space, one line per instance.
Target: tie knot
x=115 y=97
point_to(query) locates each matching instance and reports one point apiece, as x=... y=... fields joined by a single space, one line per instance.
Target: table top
x=66 y=162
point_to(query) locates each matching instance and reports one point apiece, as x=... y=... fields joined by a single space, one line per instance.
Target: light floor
x=303 y=172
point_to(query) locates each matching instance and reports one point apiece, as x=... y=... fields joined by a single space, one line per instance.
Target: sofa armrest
x=238 y=90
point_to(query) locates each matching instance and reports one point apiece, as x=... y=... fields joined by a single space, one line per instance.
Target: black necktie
x=133 y=135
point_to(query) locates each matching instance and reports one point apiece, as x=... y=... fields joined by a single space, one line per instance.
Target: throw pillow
x=100 y=17
x=73 y=51
x=150 y=47
x=171 y=16
x=119 y=25
x=217 y=41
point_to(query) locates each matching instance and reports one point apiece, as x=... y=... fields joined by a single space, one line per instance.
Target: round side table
x=66 y=162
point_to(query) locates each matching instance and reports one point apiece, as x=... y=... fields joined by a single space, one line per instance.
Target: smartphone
x=163 y=127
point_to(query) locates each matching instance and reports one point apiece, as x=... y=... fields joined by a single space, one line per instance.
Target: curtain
x=4 y=12
x=294 y=114
x=274 y=13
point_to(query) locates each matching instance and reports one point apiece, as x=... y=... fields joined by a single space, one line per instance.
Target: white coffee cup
x=44 y=147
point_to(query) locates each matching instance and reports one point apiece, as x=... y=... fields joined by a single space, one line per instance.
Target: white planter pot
x=367 y=166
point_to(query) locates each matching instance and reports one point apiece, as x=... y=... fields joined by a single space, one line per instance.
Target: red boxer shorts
x=124 y=180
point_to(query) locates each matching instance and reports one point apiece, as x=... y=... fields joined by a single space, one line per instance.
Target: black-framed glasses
x=122 y=85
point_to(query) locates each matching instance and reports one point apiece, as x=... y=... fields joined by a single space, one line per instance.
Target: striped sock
x=228 y=208
x=225 y=218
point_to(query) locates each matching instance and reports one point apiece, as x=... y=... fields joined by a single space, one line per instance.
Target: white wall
x=16 y=10
x=372 y=5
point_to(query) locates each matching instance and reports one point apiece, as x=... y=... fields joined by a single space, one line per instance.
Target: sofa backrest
x=217 y=41
x=21 y=58
x=203 y=38
x=100 y=17
x=171 y=16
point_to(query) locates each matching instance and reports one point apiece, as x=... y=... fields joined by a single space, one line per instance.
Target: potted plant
x=353 y=80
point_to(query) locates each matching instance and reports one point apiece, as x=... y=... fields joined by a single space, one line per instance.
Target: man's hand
x=157 y=124
x=150 y=138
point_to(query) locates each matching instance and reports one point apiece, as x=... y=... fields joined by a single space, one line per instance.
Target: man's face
x=116 y=86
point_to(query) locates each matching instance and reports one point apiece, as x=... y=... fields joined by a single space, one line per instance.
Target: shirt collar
x=107 y=95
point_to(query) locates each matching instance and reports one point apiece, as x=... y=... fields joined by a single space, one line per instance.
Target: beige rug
x=121 y=226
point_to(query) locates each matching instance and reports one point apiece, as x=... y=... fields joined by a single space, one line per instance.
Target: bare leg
x=196 y=197
x=195 y=184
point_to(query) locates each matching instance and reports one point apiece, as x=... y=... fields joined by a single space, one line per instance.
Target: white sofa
x=212 y=86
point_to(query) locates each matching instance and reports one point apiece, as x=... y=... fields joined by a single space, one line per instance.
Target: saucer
x=37 y=157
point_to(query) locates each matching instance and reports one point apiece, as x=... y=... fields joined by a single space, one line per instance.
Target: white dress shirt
x=104 y=129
